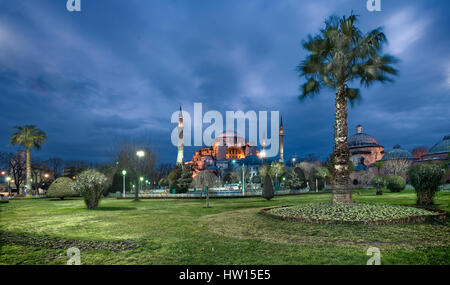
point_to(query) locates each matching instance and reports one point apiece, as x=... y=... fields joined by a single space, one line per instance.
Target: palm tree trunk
x=28 y=176
x=341 y=175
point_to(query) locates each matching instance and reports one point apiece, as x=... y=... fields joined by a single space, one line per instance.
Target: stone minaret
x=180 y=156
x=281 y=141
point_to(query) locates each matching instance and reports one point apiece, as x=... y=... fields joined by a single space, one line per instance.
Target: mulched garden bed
x=61 y=243
x=354 y=214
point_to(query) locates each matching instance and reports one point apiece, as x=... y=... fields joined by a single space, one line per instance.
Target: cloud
x=404 y=29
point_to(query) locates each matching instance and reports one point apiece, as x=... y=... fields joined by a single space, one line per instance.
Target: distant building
x=227 y=146
x=364 y=149
x=440 y=151
x=398 y=153
x=229 y=150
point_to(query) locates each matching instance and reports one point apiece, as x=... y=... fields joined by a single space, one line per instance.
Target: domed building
x=227 y=146
x=440 y=151
x=398 y=153
x=364 y=148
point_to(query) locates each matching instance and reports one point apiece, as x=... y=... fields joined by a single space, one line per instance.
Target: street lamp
x=124 y=173
x=140 y=154
x=140 y=183
x=8 y=179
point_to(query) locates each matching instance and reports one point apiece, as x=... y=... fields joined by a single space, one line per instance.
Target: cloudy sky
x=119 y=69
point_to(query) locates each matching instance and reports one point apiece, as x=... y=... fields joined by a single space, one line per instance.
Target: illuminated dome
x=361 y=139
x=398 y=153
x=229 y=139
x=441 y=147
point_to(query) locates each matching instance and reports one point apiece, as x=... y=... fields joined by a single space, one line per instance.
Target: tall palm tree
x=29 y=137
x=337 y=56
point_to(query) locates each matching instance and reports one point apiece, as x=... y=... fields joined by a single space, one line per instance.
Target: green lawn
x=230 y=232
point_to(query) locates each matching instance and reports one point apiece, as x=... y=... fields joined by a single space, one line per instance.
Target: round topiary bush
x=426 y=178
x=396 y=183
x=357 y=213
x=91 y=184
x=379 y=182
x=61 y=188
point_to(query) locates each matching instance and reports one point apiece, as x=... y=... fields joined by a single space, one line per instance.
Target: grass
x=230 y=232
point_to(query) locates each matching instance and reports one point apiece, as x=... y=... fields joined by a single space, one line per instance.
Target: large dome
x=229 y=139
x=398 y=153
x=441 y=147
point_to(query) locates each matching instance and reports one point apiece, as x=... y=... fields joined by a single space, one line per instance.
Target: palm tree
x=337 y=56
x=29 y=137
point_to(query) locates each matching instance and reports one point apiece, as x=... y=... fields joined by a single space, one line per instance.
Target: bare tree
x=308 y=169
x=16 y=163
x=419 y=152
x=163 y=170
x=126 y=158
x=205 y=179
x=398 y=166
x=55 y=164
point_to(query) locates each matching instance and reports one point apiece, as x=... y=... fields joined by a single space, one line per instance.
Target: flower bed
x=353 y=214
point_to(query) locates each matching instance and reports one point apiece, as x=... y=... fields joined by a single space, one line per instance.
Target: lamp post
x=124 y=173
x=140 y=183
x=140 y=154
x=8 y=179
x=243 y=179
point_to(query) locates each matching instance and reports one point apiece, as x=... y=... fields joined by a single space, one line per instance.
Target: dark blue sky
x=120 y=68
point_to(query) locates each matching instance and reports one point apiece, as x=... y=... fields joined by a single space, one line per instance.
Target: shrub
x=91 y=184
x=379 y=182
x=231 y=177
x=267 y=191
x=256 y=179
x=296 y=179
x=396 y=183
x=184 y=181
x=426 y=178
x=61 y=188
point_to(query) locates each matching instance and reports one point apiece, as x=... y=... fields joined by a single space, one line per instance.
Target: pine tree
x=184 y=182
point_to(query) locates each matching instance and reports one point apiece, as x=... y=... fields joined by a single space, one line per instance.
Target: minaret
x=180 y=156
x=281 y=141
x=263 y=154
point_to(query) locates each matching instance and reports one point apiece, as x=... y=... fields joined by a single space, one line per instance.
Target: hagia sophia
x=230 y=148
x=226 y=148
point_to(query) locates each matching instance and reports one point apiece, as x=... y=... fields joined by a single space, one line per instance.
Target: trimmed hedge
x=396 y=183
x=61 y=188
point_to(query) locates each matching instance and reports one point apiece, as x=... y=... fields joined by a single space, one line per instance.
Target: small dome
x=361 y=140
x=441 y=147
x=397 y=153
